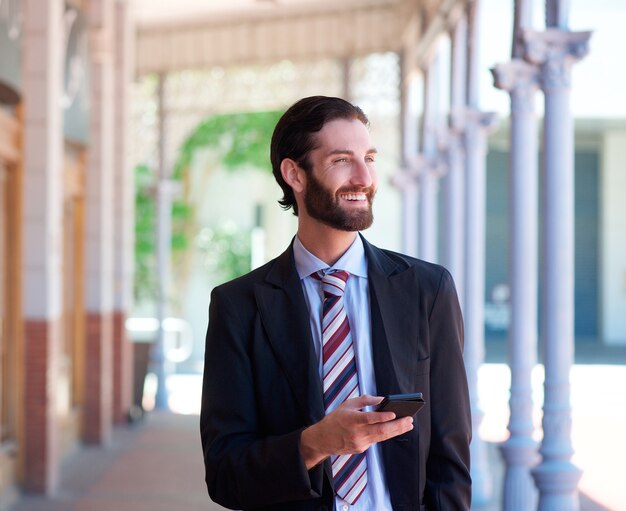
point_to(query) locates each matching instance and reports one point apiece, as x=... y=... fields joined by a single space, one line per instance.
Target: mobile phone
x=403 y=405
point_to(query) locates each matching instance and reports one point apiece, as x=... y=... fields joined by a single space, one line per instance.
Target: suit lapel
x=285 y=317
x=395 y=319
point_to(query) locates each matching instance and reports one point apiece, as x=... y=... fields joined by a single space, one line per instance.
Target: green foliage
x=145 y=241
x=226 y=251
x=241 y=139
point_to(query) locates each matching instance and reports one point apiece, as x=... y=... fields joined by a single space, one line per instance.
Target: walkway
x=153 y=466
x=157 y=464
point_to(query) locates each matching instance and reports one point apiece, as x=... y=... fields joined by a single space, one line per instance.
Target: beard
x=324 y=206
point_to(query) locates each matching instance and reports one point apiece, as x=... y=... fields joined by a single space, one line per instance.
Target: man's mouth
x=356 y=197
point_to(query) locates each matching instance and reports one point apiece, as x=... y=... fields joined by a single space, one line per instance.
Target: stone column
x=99 y=204
x=405 y=180
x=428 y=167
x=521 y=80
x=454 y=183
x=159 y=362
x=42 y=295
x=555 y=51
x=477 y=124
x=124 y=217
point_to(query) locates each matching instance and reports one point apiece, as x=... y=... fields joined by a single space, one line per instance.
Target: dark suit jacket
x=262 y=387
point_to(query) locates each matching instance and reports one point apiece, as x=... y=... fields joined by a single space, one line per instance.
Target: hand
x=349 y=430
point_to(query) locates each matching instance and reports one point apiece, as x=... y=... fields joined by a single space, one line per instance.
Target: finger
x=376 y=417
x=387 y=430
x=398 y=427
x=360 y=402
x=374 y=400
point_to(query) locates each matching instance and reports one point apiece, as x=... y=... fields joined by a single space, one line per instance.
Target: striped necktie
x=340 y=379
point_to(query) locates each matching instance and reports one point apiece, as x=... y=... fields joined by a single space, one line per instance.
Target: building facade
x=66 y=255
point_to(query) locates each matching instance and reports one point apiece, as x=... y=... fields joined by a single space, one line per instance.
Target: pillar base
x=558 y=485
x=520 y=455
x=482 y=482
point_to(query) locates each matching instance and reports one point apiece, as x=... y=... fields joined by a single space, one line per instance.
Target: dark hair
x=294 y=135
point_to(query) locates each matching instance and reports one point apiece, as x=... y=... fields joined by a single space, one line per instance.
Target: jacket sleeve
x=244 y=468
x=448 y=482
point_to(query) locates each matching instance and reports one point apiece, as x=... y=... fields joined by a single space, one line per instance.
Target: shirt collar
x=353 y=260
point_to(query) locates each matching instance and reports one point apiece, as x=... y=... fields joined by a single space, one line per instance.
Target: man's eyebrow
x=371 y=150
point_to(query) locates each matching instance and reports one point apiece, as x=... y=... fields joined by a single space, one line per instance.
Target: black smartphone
x=403 y=405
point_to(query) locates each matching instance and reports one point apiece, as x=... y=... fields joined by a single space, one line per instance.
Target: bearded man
x=301 y=351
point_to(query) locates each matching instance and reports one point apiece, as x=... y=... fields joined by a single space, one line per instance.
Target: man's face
x=342 y=184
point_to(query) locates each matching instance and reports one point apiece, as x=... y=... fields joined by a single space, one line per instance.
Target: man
x=300 y=351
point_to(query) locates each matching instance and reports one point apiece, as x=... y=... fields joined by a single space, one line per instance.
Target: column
x=406 y=183
x=159 y=363
x=428 y=168
x=521 y=80
x=42 y=298
x=124 y=217
x=405 y=179
x=477 y=124
x=555 y=51
x=454 y=183
x=99 y=204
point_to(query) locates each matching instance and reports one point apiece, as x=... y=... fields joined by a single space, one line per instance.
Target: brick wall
x=122 y=369
x=41 y=457
x=98 y=405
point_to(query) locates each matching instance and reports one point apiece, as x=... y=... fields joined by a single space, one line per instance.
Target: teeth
x=353 y=196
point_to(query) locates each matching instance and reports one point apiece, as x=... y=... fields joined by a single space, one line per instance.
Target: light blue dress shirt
x=357 y=303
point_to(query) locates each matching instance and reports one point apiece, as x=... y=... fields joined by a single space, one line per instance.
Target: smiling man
x=300 y=352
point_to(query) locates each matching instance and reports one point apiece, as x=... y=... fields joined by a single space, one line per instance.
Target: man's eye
x=340 y=160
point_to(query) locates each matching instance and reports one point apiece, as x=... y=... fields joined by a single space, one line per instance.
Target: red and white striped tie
x=341 y=380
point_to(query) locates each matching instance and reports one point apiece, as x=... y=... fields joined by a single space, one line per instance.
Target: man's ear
x=293 y=175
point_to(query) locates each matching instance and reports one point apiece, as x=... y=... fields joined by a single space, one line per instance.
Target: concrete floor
x=156 y=465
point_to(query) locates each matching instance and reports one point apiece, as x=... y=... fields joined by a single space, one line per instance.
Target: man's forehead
x=343 y=134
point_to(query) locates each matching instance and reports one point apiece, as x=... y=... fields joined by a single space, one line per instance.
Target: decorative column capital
x=555 y=50
x=515 y=75
x=486 y=121
x=428 y=166
x=456 y=121
x=461 y=119
x=405 y=179
x=521 y=80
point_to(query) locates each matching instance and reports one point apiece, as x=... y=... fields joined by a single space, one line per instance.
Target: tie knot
x=333 y=282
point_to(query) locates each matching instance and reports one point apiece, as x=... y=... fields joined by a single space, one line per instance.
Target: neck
x=325 y=243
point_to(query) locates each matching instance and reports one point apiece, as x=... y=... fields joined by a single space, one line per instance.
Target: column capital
x=404 y=179
x=516 y=75
x=451 y=139
x=456 y=121
x=555 y=50
x=521 y=80
x=469 y=117
x=486 y=121
x=428 y=166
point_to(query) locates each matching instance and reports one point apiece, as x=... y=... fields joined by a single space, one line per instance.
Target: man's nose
x=362 y=175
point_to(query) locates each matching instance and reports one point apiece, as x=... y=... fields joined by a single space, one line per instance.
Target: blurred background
x=135 y=177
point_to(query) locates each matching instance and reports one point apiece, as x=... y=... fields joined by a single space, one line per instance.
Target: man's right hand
x=349 y=430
